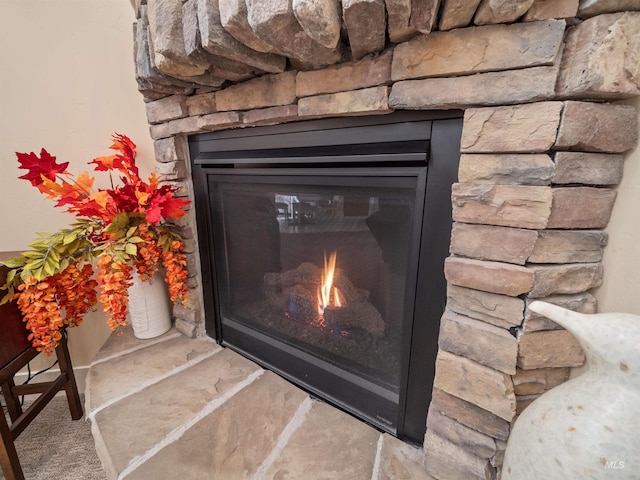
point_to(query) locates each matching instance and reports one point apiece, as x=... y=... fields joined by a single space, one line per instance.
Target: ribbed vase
x=149 y=307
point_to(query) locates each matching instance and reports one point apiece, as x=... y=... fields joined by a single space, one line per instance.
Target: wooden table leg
x=70 y=387
x=13 y=401
x=8 y=456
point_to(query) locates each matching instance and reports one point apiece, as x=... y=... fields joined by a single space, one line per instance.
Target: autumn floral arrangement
x=117 y=230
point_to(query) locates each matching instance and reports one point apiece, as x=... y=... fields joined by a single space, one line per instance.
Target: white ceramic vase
x=149 y=311
x=588 y=427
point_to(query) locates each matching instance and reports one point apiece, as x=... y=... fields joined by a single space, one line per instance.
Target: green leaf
x=7 y=298
x=64 y=264
x=69 y=238
x=42 y=244
x=32 y=254
x=131 y=249
x=48 y=268
x=118 y=224
x=15 y=262
x=131 y=231
x=33 y=264
x=10 y=276
x=163 y=241
x=53 y=259
x=53 y=254
x=135 y=240
x=77 y=244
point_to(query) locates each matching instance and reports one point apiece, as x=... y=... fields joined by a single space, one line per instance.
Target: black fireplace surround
x=322 y=247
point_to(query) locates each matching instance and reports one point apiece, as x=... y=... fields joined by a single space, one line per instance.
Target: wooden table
x=14 y=340
x=15 y=353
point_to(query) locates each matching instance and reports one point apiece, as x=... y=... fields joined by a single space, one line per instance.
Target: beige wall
x=621 y=289
x=66 y=84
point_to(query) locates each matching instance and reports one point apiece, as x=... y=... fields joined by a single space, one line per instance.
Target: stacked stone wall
x=541 y=153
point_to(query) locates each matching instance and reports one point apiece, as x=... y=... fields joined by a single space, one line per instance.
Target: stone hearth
x=542 y=151
x=159 y=419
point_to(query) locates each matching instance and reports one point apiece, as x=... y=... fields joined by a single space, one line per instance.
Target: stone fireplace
x=541 y=151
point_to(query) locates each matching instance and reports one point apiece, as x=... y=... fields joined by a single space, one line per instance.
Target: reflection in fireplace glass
x=322 y=269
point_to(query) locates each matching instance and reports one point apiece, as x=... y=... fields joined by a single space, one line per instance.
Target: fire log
x=307 y=274
x=295 y=292
x=302 y=305
x=355 y=315
x=349 y=292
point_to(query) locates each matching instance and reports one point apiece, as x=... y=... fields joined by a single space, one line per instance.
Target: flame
x=325 y=297
x=336 y=298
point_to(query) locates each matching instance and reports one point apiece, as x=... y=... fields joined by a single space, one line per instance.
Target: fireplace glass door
x=323 y=269
x=317 y=269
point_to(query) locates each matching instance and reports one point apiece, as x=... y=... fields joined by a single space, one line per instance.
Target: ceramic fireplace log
x=305 y=274
x=355 y=315
x=295 y=292
x=309 y=276
x=348 y=291
x=302 y=305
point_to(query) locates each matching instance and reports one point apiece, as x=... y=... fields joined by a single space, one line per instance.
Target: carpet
x=54 y=447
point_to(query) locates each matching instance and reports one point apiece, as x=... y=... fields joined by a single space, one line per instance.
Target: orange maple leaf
x=143 y=197
x=153 y=181
x=85 y=182
x=102 y=198
x=65 y=192
x=109 y=162
x=48 y=187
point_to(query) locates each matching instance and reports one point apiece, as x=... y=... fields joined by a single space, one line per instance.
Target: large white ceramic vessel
x=149 y=312
x=588 y=427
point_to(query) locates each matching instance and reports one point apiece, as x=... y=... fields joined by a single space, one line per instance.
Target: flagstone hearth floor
x=176 y=408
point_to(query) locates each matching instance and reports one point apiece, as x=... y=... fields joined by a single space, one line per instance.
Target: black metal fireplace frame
x=419 y=145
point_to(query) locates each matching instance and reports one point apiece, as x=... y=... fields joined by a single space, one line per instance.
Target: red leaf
x=44 y=165
x=164 y=206
x=125 y=198
x=124 y=145
x=92 y=209
x=154 y=214
x=99 y=204
x=172 y=207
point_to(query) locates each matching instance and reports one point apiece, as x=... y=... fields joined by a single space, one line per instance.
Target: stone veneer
x=541 y=155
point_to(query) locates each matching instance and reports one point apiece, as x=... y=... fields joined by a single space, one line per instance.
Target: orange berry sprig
x=149 y=253
x=175 y=263
x=115 y=278
x=41 y=313
x=59 y=300
x=76 y=290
